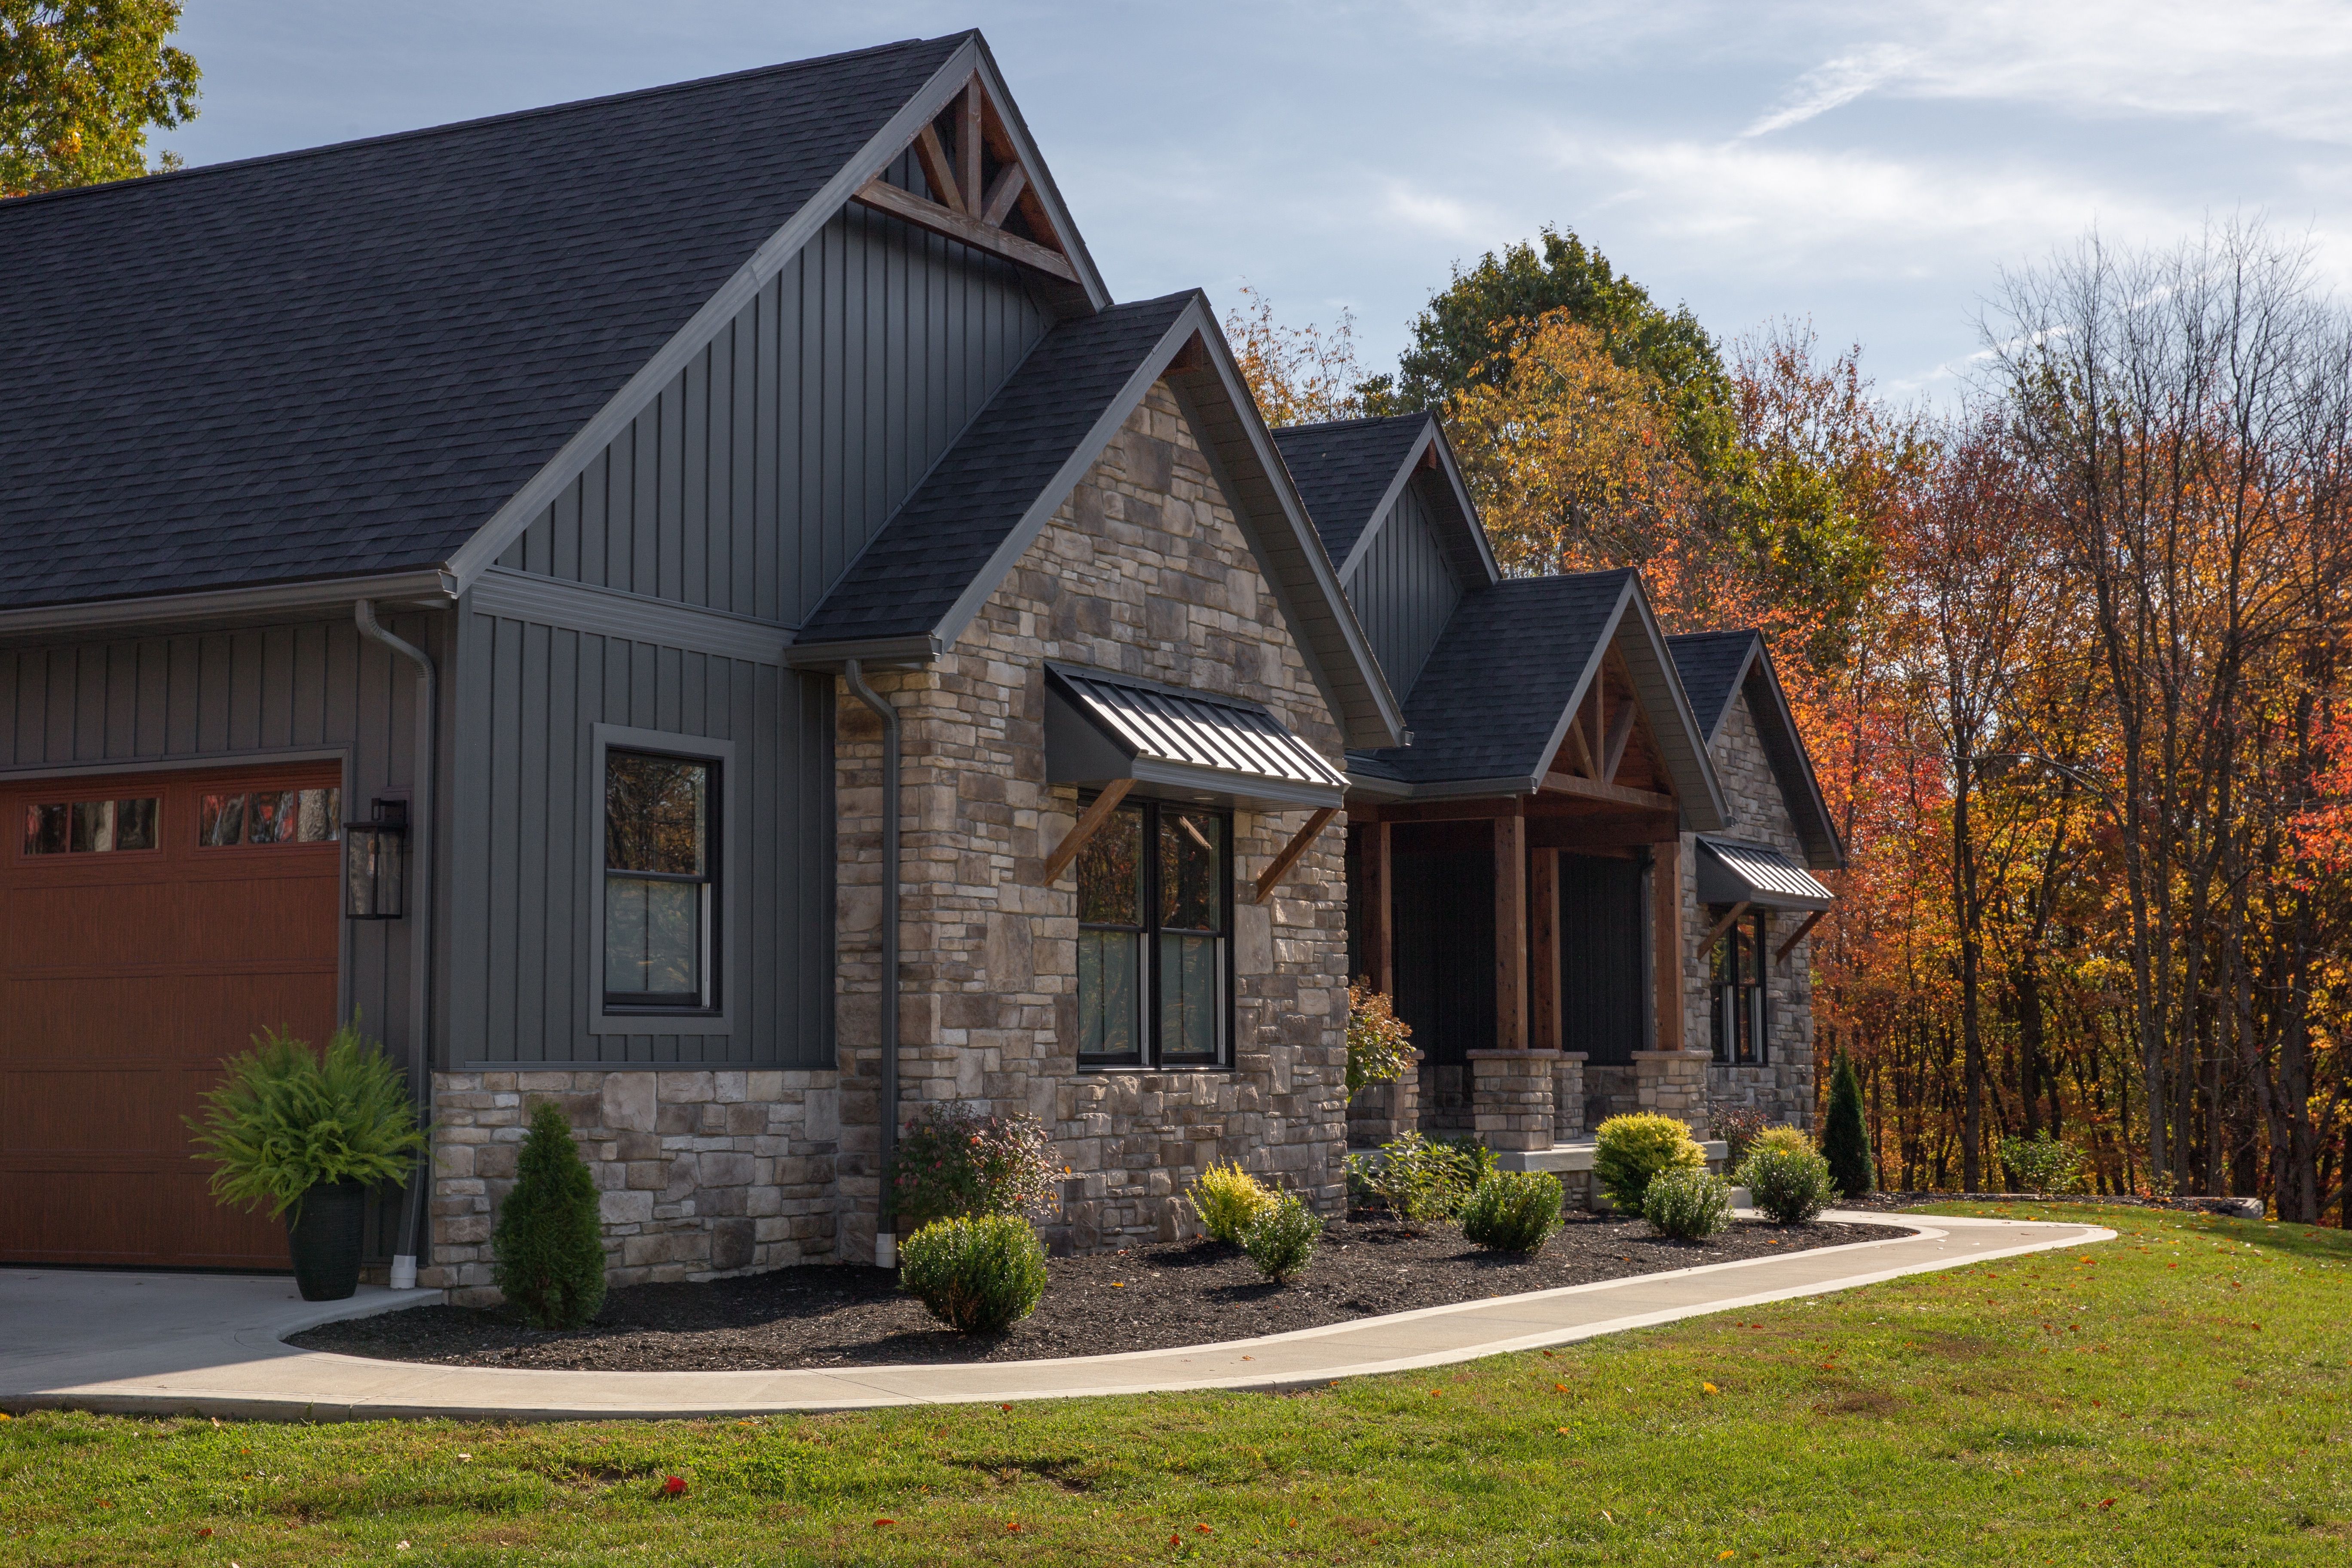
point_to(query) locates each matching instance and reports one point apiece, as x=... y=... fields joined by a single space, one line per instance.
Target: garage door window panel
x=89 y=827
x=268 y=817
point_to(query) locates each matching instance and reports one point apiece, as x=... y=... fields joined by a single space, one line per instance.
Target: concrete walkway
x=214 y=1345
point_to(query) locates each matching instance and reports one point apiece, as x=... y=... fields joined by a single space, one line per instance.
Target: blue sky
x=1871 y=168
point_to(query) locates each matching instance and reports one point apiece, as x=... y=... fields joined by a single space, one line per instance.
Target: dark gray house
x=1585 y=881
x=696 y=605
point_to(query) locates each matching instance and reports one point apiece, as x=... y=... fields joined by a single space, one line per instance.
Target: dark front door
x=1602 y=965
x=1445 y=906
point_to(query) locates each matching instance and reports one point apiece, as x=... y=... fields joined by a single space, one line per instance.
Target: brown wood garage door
x=149 y=925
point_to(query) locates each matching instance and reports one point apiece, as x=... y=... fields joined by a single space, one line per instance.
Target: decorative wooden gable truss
x=978 y=191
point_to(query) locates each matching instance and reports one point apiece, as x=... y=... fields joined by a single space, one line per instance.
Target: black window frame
x=709 y=1002
x=1151 y=1055
x=1744 y=994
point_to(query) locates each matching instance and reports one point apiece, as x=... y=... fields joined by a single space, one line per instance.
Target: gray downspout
x=413 y=1207
x=885 y=1243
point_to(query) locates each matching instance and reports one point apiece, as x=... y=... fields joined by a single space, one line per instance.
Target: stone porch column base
x=1511 y=1097
x=1674 y=1083
x=1568 y=1097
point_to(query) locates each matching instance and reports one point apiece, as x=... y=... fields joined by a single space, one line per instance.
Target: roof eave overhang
x=920 y=649
x=432 y=587
x=492 y=539
x=1252 y=791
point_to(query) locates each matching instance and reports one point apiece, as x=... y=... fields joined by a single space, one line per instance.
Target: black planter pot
x=323 y=1232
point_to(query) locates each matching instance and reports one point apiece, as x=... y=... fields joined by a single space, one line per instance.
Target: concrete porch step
x=1576 y=1156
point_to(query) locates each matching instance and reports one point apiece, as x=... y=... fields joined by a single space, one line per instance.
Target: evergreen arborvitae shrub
x=977 y=1276
x=1846 y=1140
x=550 y=1243
x=1513 y=1211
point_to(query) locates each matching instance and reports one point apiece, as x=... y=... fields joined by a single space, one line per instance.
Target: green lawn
x=2180 y=1395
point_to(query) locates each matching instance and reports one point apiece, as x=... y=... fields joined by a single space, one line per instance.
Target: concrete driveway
x=167 y=1344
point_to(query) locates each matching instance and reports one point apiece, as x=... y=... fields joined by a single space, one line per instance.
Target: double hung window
x=1742 y=999
x=660 y=882
x=1155 y=907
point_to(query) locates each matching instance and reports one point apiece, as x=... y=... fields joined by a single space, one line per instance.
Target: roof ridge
x=420 y=133
x=1343 y=424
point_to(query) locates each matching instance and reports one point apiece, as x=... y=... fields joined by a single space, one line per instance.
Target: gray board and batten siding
x=309 y=690
x=526 y=904
x=1402 y=588
x=756 y=476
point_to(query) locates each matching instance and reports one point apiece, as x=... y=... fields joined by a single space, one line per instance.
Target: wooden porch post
x=1379 y=909
x=1510 y=933
x=1543 y=952
x=1666 y=939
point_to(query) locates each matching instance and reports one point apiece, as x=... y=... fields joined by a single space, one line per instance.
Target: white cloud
x=1835 y=82
x=2274 y=66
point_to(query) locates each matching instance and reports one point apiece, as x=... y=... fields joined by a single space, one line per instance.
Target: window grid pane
x=658 y=887
x=1154 y=884
x=1111 y=1015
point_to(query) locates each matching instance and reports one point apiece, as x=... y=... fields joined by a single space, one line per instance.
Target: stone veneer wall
x=1143 y=572
x=1783 y=1087
x=700 y=1173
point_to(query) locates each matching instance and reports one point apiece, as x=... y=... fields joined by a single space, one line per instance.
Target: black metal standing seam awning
x=1752 y=875
x=1187 y=745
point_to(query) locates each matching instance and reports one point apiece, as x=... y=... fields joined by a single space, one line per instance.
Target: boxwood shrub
x=1513 y=1211
x=1792 y=1186
x=977 y=1276
x=1687 y=1205
x=1630 y=1149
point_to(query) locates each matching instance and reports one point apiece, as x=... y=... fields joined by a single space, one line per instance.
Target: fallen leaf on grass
x=881 y=1522
x=2106 y=1503
x=1708 y=1388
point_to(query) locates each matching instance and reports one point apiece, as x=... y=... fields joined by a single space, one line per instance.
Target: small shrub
x=1845 y=1138
x=1688 y=1204
x=548 y=1248
x=977 y=1275
x=1281 y=1238
x=1792 y=1186
x=1738 y=1126
x=1380 y=1044
x=1631 y=1150
x=956 y=1162
x=2042 y=1163
x=1421 y=1179
x=1788 y=1140
x=1513 y=1211
x=1227 y=1199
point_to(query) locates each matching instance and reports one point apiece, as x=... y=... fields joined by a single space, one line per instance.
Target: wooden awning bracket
x=1790 y=946
x=1300 y=842
x=1726 y=923
x=1089 y=823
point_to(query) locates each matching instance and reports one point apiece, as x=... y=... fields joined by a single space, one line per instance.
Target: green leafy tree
x=1474 y=322
x=550 y=1243
x=81 y=83
x=1845 y=1141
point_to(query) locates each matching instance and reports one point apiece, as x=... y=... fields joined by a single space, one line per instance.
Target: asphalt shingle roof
x=937 y=544
x=343 y=360
x=1343 y=468
x=1711 y=664
x=1493 y=692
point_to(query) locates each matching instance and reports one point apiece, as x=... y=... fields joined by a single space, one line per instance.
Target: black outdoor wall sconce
x=374 y=863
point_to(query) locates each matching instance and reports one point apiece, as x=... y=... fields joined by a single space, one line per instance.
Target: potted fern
x=307 y=1133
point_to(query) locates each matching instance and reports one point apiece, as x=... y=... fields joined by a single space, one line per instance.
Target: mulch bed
x=1153 y=1298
